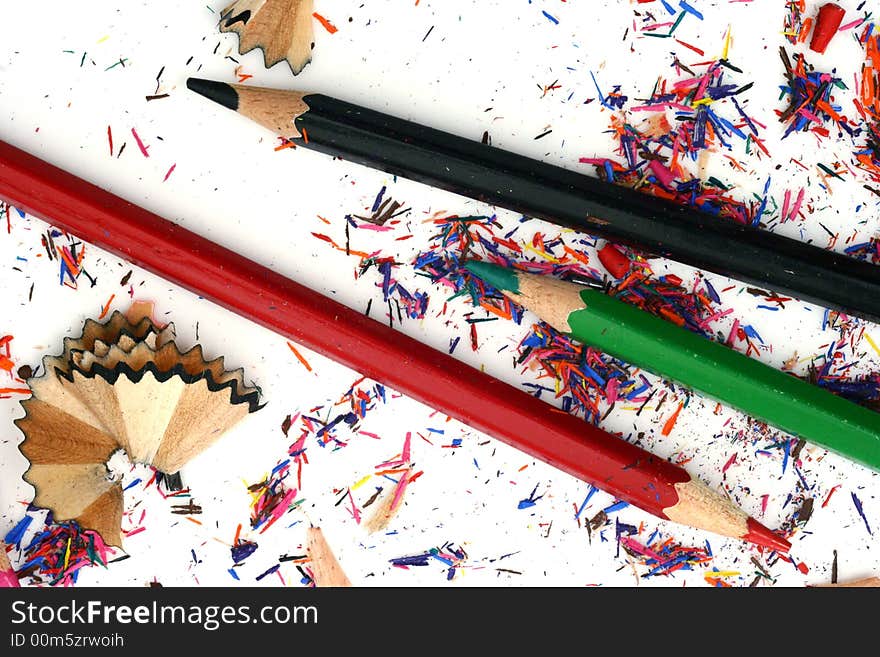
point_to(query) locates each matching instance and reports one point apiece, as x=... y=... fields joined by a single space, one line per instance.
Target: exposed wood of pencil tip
x=551 y=299
x=275 y=109
x=282 y=29
x=700 y=506
x=325 y=567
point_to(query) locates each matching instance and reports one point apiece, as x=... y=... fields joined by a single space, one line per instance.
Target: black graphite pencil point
x=220 y=92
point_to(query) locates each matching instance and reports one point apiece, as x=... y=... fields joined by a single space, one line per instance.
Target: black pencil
x=558 y=195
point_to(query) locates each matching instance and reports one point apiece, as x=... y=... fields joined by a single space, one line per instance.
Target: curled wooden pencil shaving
x=282 y=29
x=122 y=385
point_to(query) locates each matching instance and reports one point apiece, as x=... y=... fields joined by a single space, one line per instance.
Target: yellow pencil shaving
x=361 y=482
x=67 y=554
x=726 y=44
x=103 y=38
x=255 y=495
x=872 y=343
x=703 y=101
x=544 y=255
x=721 y=573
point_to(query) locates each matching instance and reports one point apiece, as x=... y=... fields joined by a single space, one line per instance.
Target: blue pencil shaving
x=531 y=500
x=599 y=91
x=551 y=18
x=751 y=332
x=378 y=200
x=412 y=560
x=800 y=475
x=583 y=505
x=763 y=205
x=450 y=555
x=609 y=171
x=711 y=291
x=617 y=506
x=268 y=572
x=15 y=535
x=242 y=550
x=858 y=504
x=689 y=9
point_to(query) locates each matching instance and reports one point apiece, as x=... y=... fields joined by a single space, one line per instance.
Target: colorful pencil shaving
x=661 y=556
x=60 y=550
x=811 y=104
x=451 y=556
x=867 y=103
x=657 y=156
x=813 y=108
x=11 y=383
x=335 y=430
x=796 y=27
x=271 y=498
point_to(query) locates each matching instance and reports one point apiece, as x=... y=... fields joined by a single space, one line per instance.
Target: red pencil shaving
x=614 y=261
x=827 y=22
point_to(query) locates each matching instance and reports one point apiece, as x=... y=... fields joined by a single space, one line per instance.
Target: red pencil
x=407 y=365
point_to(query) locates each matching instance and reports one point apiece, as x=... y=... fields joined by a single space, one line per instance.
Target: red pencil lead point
x=760 y=535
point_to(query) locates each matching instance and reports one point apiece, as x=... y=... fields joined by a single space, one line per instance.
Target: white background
x=482 y=67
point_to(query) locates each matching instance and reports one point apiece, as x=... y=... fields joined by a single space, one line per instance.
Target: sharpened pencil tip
x=503 y=278
x=220 y=92
x=760 y=535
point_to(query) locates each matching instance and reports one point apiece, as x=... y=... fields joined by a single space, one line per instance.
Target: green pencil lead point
x=502 y=278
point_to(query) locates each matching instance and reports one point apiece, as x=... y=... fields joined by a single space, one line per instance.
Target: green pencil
x=658 y=346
